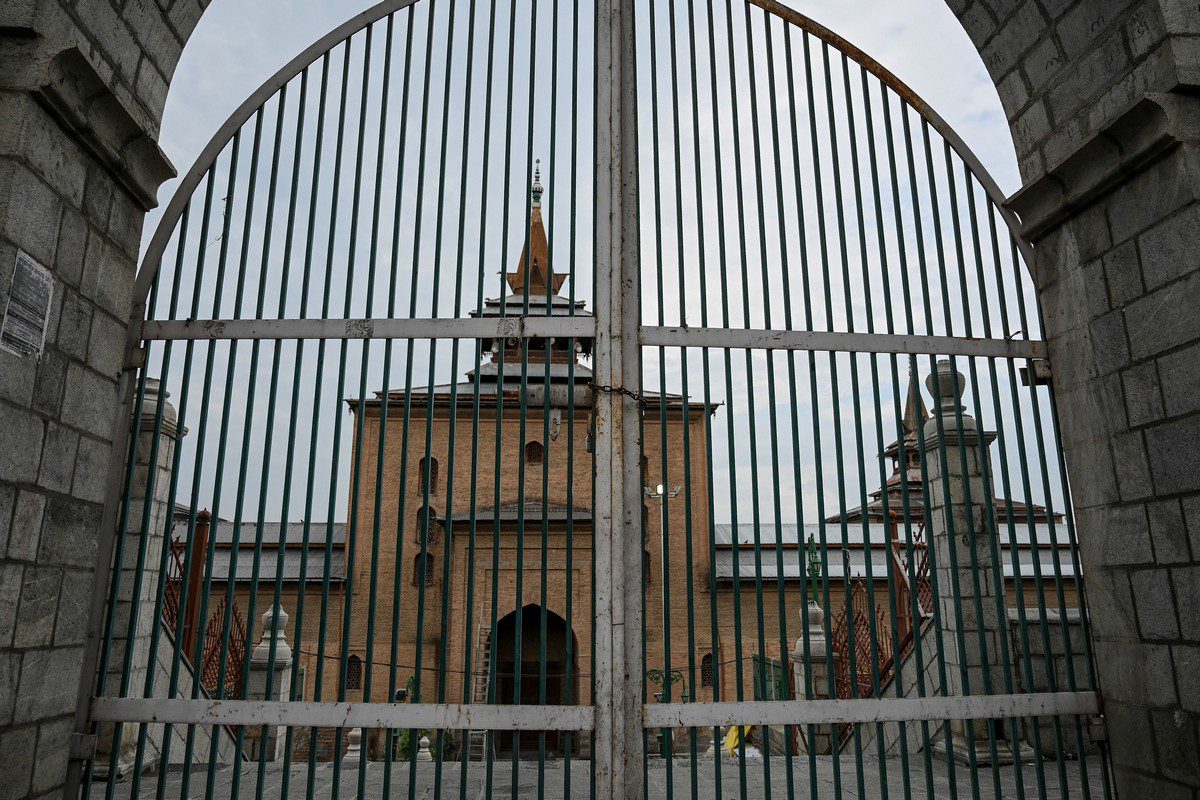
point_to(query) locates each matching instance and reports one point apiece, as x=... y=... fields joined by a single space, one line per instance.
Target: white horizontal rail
x=834 y=341
x=343 y=715
x=868 y=710
x=380 y=328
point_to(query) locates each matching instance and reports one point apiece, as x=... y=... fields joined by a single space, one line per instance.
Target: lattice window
x=535 y=453
x=428 y=468
x=645 y=568
x=422 y=569
x=706 y=670
x=427 y=527
x=354 y=673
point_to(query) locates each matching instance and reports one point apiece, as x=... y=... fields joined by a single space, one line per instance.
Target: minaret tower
x=534 y=285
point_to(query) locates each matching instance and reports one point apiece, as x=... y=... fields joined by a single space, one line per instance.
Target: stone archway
x=1096 y=92
x=521 y=679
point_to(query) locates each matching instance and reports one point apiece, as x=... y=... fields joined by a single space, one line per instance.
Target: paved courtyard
x=555 y=783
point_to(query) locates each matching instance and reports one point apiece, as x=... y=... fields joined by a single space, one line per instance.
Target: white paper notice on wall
x=28 y=310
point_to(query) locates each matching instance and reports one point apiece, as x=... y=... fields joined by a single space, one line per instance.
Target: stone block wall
x=1100 y=96
x=82 y=88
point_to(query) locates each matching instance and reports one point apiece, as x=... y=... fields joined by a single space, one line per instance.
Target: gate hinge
x=82 y=746
x=1037 y=373
x=136 y=359
x=1097 y=727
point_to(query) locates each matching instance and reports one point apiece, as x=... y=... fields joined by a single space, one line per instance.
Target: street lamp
x=662 y=494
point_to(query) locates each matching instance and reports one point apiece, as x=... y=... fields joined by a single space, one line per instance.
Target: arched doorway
x=522 y=678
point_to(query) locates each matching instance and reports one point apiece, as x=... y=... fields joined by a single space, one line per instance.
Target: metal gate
x=526 y=398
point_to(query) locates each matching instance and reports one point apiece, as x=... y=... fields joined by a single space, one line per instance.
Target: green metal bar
x=915 y=620
x=381 y=442
x=260 y=308
x=725 y=321
x=226 y=421
x=356 y=467
x=176 y=650
x=452 y=435
x=398 y=568
x=823 y=241
x=931 y=551
x=708 y=407
x=322 y=634
x=571 y=655
x=855 y=393
x=1000 y=583
x=751 y=405
x=777 y=149
x=686 y=398
x=468 y=684
x=499 y=436
x=664 y=550
x=289 y=460
x=987 y=500
x=425 y=521
x=310 y=240
x=202 y=619
x=905 y=284
x=797 y=480
x=873 y=629
x=160 y=592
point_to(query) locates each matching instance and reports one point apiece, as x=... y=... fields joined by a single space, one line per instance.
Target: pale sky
x=238 y=45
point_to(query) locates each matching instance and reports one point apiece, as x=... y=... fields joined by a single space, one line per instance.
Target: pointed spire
x=915 y=412
x=533 y=267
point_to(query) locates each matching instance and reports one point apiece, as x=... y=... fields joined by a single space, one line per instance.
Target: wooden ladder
x=477 y=739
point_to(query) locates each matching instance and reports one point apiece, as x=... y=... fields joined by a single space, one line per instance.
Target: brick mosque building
x=441 y=567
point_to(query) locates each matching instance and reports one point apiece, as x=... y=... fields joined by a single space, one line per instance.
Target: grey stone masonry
x=142 y=554
x=1119 y=283
x=82 y=88
x=964 y=569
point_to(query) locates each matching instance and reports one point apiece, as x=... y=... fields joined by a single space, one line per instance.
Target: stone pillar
x=815 y=666
x=962 y=546
x=141 y=560
x=270 y=679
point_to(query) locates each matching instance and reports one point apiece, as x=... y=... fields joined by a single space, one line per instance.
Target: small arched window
x=354 y=673
x=422 y=569
x=426 y=527
x=535 y=453
x=427 y=475
x=706 y=670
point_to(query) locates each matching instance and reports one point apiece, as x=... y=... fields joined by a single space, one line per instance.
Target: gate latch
x=82 y=746
x=1097 y=727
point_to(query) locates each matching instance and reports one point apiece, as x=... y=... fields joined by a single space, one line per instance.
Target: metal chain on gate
x=598 y=387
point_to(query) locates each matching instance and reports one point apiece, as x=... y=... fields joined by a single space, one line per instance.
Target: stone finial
x=153 y=396
x=537 y=185
x=353 y=748
x=274 y=625
x=423 y=752
x=947 y=384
